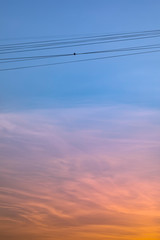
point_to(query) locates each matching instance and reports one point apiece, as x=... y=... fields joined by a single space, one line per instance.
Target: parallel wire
x=8 y=60
x=81 y=60
x=70 y=44
x=75 y=42
x=87 y=37
x=54 y=42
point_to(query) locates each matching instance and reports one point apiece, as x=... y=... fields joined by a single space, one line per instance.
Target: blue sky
x=129 y=80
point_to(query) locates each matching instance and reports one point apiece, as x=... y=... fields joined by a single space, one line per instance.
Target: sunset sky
x=80 y=142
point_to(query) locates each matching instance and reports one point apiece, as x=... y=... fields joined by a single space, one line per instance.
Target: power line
x=84 y=42
x=19 y=59
x=88 y=37
x=81 y=60
x=69 y=42
x=73 y=36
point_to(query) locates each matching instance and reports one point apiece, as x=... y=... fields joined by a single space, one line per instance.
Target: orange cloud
x=80 y=174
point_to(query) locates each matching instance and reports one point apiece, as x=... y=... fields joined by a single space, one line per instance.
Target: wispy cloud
x=93 y=172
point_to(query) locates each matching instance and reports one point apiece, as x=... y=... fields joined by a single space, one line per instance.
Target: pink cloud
x=69 y=173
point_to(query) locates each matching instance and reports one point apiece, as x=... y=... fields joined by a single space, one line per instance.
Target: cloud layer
x=87 y=173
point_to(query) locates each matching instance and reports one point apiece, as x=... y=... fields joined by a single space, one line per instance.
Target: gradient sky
x=80 y=143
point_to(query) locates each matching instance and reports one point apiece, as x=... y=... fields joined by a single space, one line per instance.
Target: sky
x=80 y=142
